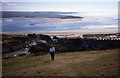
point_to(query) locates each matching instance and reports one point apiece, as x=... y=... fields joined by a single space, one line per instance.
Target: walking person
x=52 y=51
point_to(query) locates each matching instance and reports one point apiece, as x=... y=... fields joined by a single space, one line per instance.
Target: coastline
x=74 y=32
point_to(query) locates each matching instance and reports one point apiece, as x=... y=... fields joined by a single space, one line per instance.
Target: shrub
x=40 y=48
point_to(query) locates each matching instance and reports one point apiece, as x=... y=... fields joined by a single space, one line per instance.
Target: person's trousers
x=52 y=55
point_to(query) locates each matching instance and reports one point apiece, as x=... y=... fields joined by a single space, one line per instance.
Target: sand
x=71 y=32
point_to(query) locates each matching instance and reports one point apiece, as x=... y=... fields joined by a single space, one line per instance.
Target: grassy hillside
x=86 y=63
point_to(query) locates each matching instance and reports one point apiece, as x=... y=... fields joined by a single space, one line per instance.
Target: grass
x=85 y=63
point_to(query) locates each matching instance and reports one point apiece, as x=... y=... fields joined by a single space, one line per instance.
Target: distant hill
x=63 y=15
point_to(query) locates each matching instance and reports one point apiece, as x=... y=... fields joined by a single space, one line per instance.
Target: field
x=84 y=63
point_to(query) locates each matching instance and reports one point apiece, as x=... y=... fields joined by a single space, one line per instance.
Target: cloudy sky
x=93 y=7
x=60 y=0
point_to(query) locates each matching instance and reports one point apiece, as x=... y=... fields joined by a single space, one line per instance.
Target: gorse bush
x=39 y=48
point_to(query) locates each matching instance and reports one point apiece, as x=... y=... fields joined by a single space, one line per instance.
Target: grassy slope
x=92 y=63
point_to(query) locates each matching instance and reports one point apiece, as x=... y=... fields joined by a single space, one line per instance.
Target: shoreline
x=82 y=31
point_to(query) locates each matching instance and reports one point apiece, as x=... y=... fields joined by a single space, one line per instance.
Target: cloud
x=3 y=1
x=61 y=0
x=9 y=3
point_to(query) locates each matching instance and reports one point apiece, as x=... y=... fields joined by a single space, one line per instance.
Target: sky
x=59 y=0
x=94 y=7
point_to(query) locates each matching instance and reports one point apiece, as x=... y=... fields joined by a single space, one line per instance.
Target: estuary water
x=22 y=24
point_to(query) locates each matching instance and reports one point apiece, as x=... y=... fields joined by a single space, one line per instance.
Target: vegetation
x=87 y=63
x=40 y=48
